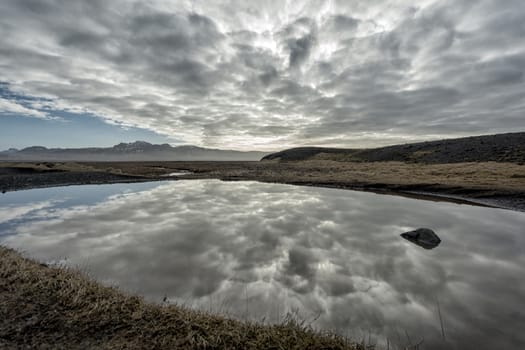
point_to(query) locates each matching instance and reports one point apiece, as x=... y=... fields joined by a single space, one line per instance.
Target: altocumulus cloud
x=272 y=74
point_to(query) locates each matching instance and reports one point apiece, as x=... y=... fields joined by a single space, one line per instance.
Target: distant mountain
x=135 y=151
x=496 y=148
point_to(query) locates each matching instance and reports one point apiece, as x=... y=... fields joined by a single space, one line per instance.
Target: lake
x=255 y=251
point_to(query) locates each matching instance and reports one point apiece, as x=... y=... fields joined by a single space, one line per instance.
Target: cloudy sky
x=259 y=75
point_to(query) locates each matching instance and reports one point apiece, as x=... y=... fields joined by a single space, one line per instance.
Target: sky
x=259 y=75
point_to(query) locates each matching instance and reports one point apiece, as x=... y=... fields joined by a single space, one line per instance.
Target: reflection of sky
x=262 y=250
x=38 y=204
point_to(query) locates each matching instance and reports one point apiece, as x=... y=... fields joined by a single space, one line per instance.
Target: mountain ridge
x=132 y=151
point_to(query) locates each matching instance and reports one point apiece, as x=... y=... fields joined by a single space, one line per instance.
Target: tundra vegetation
x=59 y=308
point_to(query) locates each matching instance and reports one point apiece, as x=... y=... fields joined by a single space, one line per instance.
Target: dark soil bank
x=27 y=179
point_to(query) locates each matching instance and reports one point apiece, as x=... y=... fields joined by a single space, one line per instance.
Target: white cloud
x=10 y=107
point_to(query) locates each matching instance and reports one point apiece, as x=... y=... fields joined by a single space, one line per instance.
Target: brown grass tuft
x=57 y=308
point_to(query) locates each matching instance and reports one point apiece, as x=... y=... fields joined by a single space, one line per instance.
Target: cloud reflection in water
x=260 y=250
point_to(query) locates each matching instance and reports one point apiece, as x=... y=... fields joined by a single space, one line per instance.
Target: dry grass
x=56 y=308
x=490 y=175
x=485 y=183
x=487 y=175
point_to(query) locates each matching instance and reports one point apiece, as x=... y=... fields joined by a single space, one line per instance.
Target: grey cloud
x=340 y=27
x=310 y=73
x=296 y=28
x=269 y=75
x=37 y=6
x=300 y=49
x=343 y=23
x=163 y=33
x=299 y=37
x=81 y=39
x=500 y=71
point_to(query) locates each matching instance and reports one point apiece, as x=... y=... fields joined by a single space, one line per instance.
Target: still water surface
x=257 y=251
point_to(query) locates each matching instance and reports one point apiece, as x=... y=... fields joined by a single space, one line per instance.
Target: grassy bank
x=492 y=183
x=56 y=308
x=486 y=175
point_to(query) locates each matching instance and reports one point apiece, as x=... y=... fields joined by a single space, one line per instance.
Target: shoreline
x=50 y=307
x=24 y=176
x=504 y=201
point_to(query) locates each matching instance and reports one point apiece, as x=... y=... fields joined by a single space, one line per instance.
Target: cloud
x=10 y=107
x=300 y=49
x=274 y=75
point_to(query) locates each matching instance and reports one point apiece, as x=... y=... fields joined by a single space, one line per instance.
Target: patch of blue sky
x=64 y=129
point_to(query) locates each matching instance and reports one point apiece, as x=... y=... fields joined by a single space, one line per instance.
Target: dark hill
x=304 y=153
x=496 y=148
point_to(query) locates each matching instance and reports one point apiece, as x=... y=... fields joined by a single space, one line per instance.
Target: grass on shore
x=58 y=308
x=483 y=175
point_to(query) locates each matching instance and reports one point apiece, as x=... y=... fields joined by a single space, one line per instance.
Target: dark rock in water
x=423 y=237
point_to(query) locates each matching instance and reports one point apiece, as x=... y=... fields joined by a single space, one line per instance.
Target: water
x=178 y=173
x=331 y=257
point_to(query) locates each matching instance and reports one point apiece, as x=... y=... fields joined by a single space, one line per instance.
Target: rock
x=423 y=237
